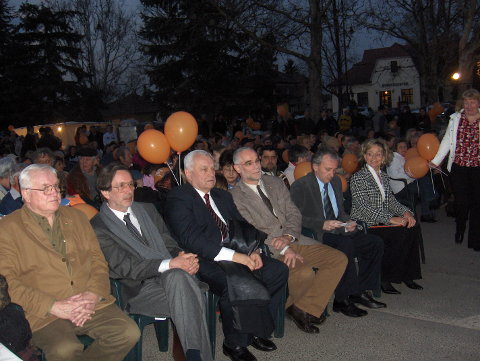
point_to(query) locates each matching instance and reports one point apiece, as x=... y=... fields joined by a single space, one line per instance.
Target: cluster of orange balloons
x=416 y=159
x=181 y=130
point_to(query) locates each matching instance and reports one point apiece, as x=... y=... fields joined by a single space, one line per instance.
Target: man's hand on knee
x=70 y=309
x=186 y=261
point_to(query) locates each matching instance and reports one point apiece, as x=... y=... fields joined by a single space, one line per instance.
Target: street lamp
x=456 y=76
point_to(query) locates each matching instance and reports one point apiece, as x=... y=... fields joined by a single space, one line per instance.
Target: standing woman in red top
x=461 y=140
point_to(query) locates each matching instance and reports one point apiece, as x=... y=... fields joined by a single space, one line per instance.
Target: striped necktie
x=221 y=226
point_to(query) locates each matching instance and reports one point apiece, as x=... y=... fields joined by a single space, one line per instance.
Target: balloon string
x=446 y=175
x=431 y=179
x=173 y=173
x=179 y=168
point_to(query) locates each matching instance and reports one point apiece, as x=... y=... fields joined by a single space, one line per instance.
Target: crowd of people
x=170 y=232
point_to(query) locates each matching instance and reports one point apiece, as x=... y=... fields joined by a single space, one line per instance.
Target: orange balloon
x=302 y=169
x=344 y=182
x=256 y=126
x=11 y=128
x=416 y=167
x=427 y=146
x=89 y=211
x=349 y=163
x=153 y=146
x=285 y=156
x=148 y=126
x=83 y=139
x=437 y=109
x=282 y=110
x=181 y=130
x=411 y=152
x=239 y=135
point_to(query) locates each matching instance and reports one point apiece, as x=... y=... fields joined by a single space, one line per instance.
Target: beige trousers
x=309 y=290
x=113 y=331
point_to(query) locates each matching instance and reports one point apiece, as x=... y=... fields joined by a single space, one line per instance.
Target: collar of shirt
x=212 y=203
x=120 y=215
x=377 y=180
x=15 y=193
x=331 y=195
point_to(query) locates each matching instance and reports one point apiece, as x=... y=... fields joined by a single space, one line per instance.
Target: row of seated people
x=53 y=259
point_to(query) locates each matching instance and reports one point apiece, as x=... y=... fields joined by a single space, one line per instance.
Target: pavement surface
x=441 y=322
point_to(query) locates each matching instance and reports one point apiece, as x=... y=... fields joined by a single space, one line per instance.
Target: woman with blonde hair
x=373 y=203
x=461 y=143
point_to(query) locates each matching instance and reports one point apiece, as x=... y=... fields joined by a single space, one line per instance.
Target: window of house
x=386 y=98
x=407 y=96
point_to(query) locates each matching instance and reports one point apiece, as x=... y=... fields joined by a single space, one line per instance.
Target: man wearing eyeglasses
x=157 y=276
x=58 y=274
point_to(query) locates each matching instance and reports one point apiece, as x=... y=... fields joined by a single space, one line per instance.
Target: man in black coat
x=198 y=214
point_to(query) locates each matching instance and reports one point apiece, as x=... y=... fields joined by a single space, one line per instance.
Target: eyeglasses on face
x=122 y=187
x=47 y=189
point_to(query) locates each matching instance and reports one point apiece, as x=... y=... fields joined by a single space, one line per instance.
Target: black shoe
x=366 y=300
x=317 y=320
x=301 y=319
x=389 y=289
x=263 y=344
x=428 y=219
x=348 y=308
x=238 y=353
x=413 y=285
x=458 y=237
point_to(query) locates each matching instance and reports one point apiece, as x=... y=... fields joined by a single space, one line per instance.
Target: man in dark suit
x=319 y=197
x=197 y=214
x=157 y=276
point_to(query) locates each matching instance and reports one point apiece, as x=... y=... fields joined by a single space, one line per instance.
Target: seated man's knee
x=64 y=350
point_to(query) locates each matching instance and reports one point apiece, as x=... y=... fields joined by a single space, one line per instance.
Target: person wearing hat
x=82 y=178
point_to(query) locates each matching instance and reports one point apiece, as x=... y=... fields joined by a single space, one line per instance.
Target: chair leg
x=280 y=316
x=161 y=330
x=211 y=316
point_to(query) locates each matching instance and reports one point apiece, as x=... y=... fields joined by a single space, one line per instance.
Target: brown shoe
x=301 y=319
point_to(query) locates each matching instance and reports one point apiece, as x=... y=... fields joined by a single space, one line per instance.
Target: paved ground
x=442 y=322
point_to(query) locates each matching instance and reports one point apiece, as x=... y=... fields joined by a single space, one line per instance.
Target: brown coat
x=37 y=275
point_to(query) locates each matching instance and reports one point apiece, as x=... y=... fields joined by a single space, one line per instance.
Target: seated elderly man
x=315 y=269
x=157 y=276
x=13 y=199
x=56 y=271
x=198 y=215
x=319 y=198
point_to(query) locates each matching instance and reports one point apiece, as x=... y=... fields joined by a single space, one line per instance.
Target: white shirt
x=289 y=173
x=165 y=264
x=396 y=169
x=377 y=180
x=225 y=254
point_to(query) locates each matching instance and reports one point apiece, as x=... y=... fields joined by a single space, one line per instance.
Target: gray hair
x=190 y=157
x=26 y=176
x=236 y=154
x=17 y=169
x=322 y=152
x=6 y=166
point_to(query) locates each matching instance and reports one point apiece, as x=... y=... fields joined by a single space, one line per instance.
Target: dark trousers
x=274 y=275
x=401 y=257
x=465 y=185
x=368 y=249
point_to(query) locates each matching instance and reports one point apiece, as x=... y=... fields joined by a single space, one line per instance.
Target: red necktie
x=221 y=226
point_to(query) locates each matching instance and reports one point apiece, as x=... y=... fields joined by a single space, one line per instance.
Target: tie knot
x=207 y=197
x=126 y=216
x=325 y=187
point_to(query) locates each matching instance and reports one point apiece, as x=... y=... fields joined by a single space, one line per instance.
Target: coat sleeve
x=123 y=263
x=446 y=141
x=302 y=198
x=293 y=217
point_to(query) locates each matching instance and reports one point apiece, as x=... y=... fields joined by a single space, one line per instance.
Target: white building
x=385 y=76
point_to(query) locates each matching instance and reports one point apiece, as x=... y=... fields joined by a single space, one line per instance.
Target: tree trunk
x=315 y=61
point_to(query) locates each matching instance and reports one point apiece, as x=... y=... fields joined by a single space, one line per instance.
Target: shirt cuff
x=225 y=254
x=164 y=265
x=282 y=252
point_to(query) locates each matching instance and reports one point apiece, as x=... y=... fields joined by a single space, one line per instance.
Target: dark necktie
x=327 y=204
x=265 y=199
x=133 y=230
x=221 y=226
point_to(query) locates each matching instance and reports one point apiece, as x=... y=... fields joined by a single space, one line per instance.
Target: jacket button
x=64 y=259
x=281 y=227
x=71 y=283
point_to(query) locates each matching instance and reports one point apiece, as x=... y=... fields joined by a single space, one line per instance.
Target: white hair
x=189 y=159
x=26 y=176
x=236 y=154
x=6 y=166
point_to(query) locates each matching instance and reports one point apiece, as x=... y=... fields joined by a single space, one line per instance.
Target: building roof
x=361 y=72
